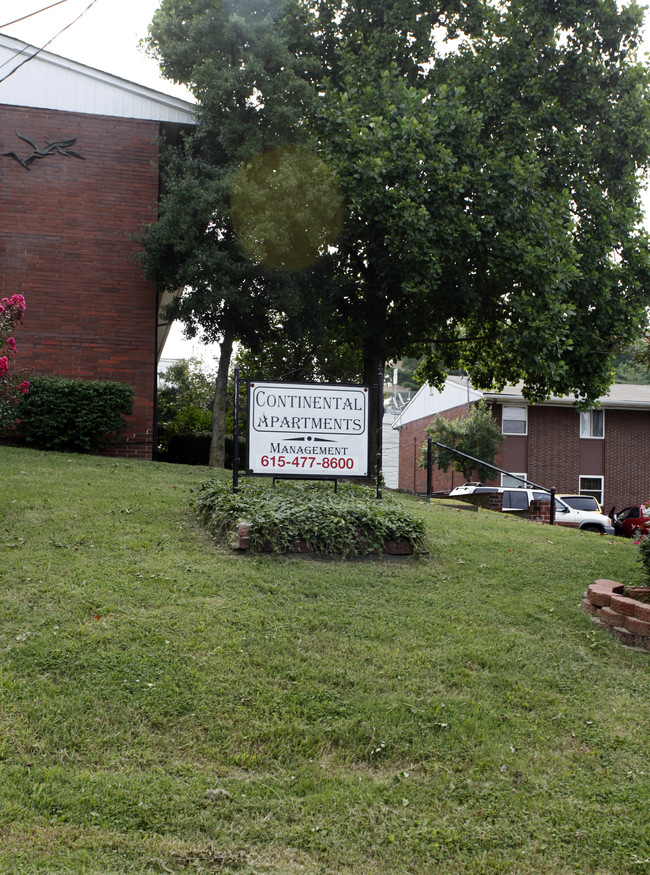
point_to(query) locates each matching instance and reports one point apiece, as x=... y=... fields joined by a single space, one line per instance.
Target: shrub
x=185 y=398
x=644 y=557
x=349 y=521
x=73 y=415
x=230 y=451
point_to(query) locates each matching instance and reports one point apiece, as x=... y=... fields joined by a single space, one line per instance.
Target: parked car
x=581 y=502
x=472 y=489
x=632 y=518
x=517 y=499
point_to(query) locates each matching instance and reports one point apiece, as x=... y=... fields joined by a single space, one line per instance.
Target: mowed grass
x=169 y=706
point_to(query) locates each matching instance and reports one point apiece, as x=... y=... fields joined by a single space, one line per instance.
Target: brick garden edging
x=627 y=619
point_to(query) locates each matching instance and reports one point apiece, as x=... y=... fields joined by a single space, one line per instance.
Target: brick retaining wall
x=627 y=619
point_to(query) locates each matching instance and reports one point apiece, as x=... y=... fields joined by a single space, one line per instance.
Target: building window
x=592 y=424
x=592 y=486
x=514 y=420
x=513 y=481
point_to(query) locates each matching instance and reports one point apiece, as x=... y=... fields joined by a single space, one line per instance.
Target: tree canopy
x=250 y=103
x=487 y=155
x=632 y=364
x=185 y=400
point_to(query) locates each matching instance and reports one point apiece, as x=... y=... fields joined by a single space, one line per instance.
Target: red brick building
x=78 y=179
x=603 y=452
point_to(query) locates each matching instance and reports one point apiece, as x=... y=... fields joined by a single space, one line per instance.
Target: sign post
x=235 y=459
x=380 y=427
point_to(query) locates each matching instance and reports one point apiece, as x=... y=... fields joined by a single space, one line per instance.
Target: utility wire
x=44 y=9
x=8 y=23
x=38 y=51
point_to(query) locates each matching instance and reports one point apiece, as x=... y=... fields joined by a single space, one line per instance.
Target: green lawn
x=169 y=706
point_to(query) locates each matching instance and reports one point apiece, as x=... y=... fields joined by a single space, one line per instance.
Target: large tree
x=488 y=156
x=251 y=92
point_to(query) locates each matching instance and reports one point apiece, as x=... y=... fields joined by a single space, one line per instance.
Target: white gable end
x=48 y=81
x=429 y=401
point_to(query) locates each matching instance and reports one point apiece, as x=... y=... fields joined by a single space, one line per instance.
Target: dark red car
x=632 y=518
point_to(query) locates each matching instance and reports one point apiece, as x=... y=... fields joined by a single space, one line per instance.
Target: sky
x=106 y=37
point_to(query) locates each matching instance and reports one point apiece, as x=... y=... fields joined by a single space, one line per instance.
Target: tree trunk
x=218 y=443
x=371 y=364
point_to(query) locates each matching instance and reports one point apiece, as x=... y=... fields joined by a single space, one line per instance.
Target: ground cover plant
x=282 y=515
x=167 y=705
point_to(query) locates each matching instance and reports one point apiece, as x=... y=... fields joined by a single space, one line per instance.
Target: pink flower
x=24 y=387
x=4 y=365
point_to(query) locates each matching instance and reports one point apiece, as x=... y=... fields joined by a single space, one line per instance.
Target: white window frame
x=506 y=407
x=509 y=482
x=584 y=490
x=587 y=424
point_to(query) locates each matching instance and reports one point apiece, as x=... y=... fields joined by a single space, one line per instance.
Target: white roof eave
x=49 y=81
x=621 y=397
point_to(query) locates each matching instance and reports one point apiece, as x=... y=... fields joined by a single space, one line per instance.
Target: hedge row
x=73 y=415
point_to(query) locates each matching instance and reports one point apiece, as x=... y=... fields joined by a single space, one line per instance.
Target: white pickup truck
x=518 y=499
x=587 y=520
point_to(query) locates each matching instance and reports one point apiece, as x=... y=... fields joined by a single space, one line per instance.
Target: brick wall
x=553 y=447
x=627 y=457
x=412 y=477
x=64 y=245
x=554 y=453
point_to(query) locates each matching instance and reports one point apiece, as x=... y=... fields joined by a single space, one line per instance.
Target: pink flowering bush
x=643 y=543
x=12 y=386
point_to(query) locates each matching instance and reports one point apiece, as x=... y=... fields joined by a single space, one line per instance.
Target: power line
x=8 y=23
x=38 y=51
x=44 y=9
x=15 y=55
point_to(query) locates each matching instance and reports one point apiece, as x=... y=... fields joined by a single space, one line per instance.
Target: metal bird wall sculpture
x=60 y=146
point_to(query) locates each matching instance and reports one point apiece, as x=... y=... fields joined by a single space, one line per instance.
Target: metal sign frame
x=335 y=422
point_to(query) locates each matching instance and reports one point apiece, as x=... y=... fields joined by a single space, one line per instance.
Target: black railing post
x=429 y=466
x=551 y=518
x=235 y=460
x=380 y=425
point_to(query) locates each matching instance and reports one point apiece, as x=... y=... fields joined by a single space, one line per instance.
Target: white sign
x=308 y=430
